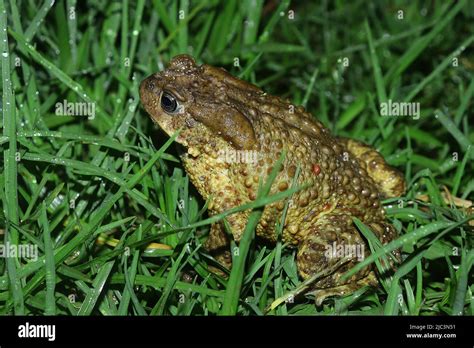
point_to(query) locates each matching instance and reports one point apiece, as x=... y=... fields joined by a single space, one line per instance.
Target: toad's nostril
x=150 y=85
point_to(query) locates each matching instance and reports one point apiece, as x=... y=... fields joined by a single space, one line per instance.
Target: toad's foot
x=321 y=294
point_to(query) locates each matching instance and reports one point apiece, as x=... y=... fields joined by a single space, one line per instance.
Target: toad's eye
x=169 y=103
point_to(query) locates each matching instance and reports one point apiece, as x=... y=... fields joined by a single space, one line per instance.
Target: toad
x=233 y=134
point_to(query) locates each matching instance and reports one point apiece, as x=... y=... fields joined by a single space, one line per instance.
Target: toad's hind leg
x=389 y=181
x=331 y=239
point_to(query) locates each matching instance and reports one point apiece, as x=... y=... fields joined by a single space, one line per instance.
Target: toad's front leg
x=218 y=242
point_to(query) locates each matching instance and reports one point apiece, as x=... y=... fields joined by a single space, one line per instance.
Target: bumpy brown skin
x=219 y=114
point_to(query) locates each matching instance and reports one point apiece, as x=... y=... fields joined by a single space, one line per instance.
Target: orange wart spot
x=316 y=169
x=327 y=206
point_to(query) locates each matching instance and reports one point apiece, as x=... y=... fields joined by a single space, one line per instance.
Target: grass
x=118 y=226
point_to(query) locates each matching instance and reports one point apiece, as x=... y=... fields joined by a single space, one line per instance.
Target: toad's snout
x=149 y=91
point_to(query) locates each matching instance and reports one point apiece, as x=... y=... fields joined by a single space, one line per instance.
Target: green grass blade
x=420 y=45
x=10 y=205
x=50 y=267
x=97 y=287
